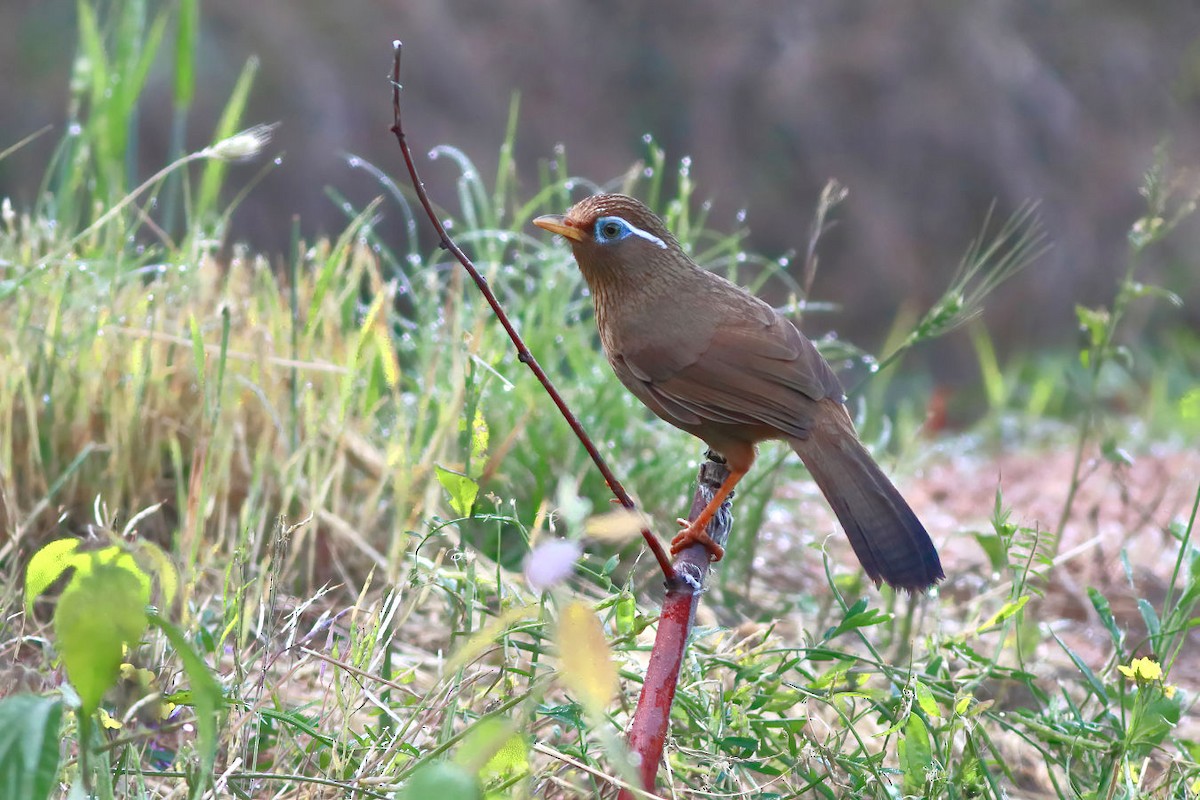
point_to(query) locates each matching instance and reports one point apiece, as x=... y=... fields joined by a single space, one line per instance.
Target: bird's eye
x=610 y=229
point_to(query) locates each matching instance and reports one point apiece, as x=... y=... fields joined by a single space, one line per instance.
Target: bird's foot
x=690 y=535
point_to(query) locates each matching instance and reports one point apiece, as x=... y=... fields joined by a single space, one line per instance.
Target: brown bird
x=713 y=360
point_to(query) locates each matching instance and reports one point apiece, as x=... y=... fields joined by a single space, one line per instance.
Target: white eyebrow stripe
x=649 y=237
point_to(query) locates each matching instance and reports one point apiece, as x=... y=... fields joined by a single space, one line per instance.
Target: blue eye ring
x=611 y=229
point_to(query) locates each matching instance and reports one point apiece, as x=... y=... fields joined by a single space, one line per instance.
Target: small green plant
x=102 y=615
x=1169 y=201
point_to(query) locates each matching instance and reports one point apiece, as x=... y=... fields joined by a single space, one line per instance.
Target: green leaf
x=46 y=566
x=185 y=52
x=916 y=756
x=155 y=561
x=119 y=557
x=569 y=714
x=926 y=700
x=625 y=615
x=739 y=746
x=1150 y=617
x=835 y=675
x=494 y=747
x=510 y=760
x=204 y=696
x=1104 y=610
x=198 y=358
x=993 y=547
x=778 y=700
x=462 y=490
x=1093 y=682
x=859 y=616
x=101 y=610
x=1158 y=719
x=29 y=743
x=793 y=725
x=896 y=725
x=482 y=741
x=441 y=780
x=1006 y=611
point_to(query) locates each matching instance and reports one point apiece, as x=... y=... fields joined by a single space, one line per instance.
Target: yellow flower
x=1169 y=691
x=1143 y=670
x=107 y=721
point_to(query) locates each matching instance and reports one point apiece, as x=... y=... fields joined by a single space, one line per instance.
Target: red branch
x=651 y=719
x=685 y=578
x=523 y=353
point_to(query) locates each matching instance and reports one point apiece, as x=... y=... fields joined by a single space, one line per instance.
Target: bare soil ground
x=1121 y=513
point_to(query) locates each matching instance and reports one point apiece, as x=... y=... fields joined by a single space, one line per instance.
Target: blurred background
x=927 y=112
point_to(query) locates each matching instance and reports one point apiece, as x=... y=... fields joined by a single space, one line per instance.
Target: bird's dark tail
x=886 y=535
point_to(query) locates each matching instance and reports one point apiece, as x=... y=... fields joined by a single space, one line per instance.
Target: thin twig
x=523 y=353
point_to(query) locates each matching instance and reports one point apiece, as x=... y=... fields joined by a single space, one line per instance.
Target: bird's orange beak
x=556 y=223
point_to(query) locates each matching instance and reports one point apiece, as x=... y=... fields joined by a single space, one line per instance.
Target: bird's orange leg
x=696 y=531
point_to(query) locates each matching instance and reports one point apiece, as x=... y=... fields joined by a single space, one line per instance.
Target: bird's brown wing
x=755 y=369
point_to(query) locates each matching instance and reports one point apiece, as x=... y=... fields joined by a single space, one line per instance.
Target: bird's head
x=616 y=238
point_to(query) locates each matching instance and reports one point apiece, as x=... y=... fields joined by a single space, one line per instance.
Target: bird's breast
x=634 y=324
